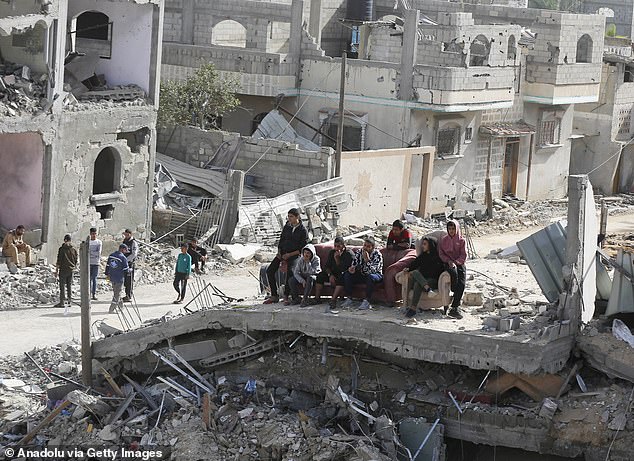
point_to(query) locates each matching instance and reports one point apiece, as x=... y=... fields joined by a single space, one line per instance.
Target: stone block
x=472 y=298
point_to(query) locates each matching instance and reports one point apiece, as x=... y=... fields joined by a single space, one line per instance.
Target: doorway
x=511 y=160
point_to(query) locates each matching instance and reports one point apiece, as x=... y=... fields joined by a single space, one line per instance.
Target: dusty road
x=24 y=329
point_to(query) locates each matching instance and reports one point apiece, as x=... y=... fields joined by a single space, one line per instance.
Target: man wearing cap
x=116 y=270
x=131 y=255
x=64 y=267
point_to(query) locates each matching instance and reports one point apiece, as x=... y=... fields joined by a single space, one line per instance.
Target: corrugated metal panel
x=622 y=296
x=545 y=253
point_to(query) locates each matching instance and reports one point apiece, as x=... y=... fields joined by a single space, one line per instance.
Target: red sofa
x=394 y=261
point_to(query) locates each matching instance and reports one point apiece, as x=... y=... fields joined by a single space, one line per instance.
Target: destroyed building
x=602 y=132
x=491 y=87
x=79 y=89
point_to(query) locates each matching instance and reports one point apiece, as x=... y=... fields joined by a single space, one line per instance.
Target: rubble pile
x=106 y=97
x=300 y=403
x=21 y=90
x=29 y=287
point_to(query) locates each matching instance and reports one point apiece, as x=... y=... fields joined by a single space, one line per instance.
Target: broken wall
x=280 y=166
x=132 y=39
x=382 y=184
x=26 y=48
x=73 y=174
x=22 y=163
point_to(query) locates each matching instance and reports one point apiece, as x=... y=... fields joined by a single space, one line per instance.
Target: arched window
x=229 y=33
x=255 y=123
x=106 y=174
x=93 y=34
x=584 y=49
x=511 y=49
x=479 y=51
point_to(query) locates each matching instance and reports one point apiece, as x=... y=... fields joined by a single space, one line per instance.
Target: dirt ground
x=26 y=328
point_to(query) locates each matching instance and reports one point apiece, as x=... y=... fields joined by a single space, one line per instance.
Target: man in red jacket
x=453 y=252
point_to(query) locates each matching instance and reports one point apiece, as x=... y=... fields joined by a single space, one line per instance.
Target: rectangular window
x=468 y=134
x=550 y=128
x=448 y=142
x=353 y=131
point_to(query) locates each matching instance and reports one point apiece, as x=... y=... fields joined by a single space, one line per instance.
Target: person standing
x=133 y=252
x=94 y=245
x=64 y=267
x=294 y=237
x=338 y=262
x=453 y=253
x=182 y=272
x=13 y=244
x=116 y=269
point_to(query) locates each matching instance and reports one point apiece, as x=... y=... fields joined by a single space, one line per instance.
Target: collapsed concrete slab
x=439 y=341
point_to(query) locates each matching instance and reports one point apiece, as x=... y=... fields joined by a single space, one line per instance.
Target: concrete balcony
x=259 y=73
x=554 y=84
x=459 y=89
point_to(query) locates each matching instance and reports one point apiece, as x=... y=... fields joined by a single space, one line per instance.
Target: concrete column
x=257 y=34
x=580 y=272
x=408 y=56
x=187 y=31
x=297 y=20
x=235 y=192
x=314 y=26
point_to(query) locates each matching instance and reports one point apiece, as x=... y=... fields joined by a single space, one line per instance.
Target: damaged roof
x=507 y=129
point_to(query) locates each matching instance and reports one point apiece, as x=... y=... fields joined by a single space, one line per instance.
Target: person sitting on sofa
x=294 y=237
x=452 y=252
x=399 y=237
x=399 y=244
x=425 y=270
x=367 y=268
x=338 y=262
x=304 y=275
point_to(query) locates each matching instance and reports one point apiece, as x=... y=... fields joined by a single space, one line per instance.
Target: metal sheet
x=622 y=296
x=545 y=254
x=604 y=282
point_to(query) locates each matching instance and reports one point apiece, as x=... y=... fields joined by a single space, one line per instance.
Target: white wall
x=131 y=40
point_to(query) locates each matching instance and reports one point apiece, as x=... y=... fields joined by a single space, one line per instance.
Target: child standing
x=181 y=275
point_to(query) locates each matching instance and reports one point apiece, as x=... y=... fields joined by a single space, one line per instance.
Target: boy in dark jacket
x=425 y=269
x=294 y=237
x=66 y=264
x=338 y=262
x=116 y=270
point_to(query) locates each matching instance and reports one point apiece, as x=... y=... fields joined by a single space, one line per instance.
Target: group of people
x=119 y=268
x=345 y=268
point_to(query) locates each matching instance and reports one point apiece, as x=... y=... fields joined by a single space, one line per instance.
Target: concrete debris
x=236 y=253
x=37 y=285
x=287 y=417
x=21 y=90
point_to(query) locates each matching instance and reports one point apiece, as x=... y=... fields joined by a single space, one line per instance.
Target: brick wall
x=282 y=167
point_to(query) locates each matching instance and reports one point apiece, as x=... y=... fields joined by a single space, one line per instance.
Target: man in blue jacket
x=116 y=270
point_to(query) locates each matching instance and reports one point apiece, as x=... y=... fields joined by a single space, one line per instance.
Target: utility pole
x=84 y=281
x=342 y=95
